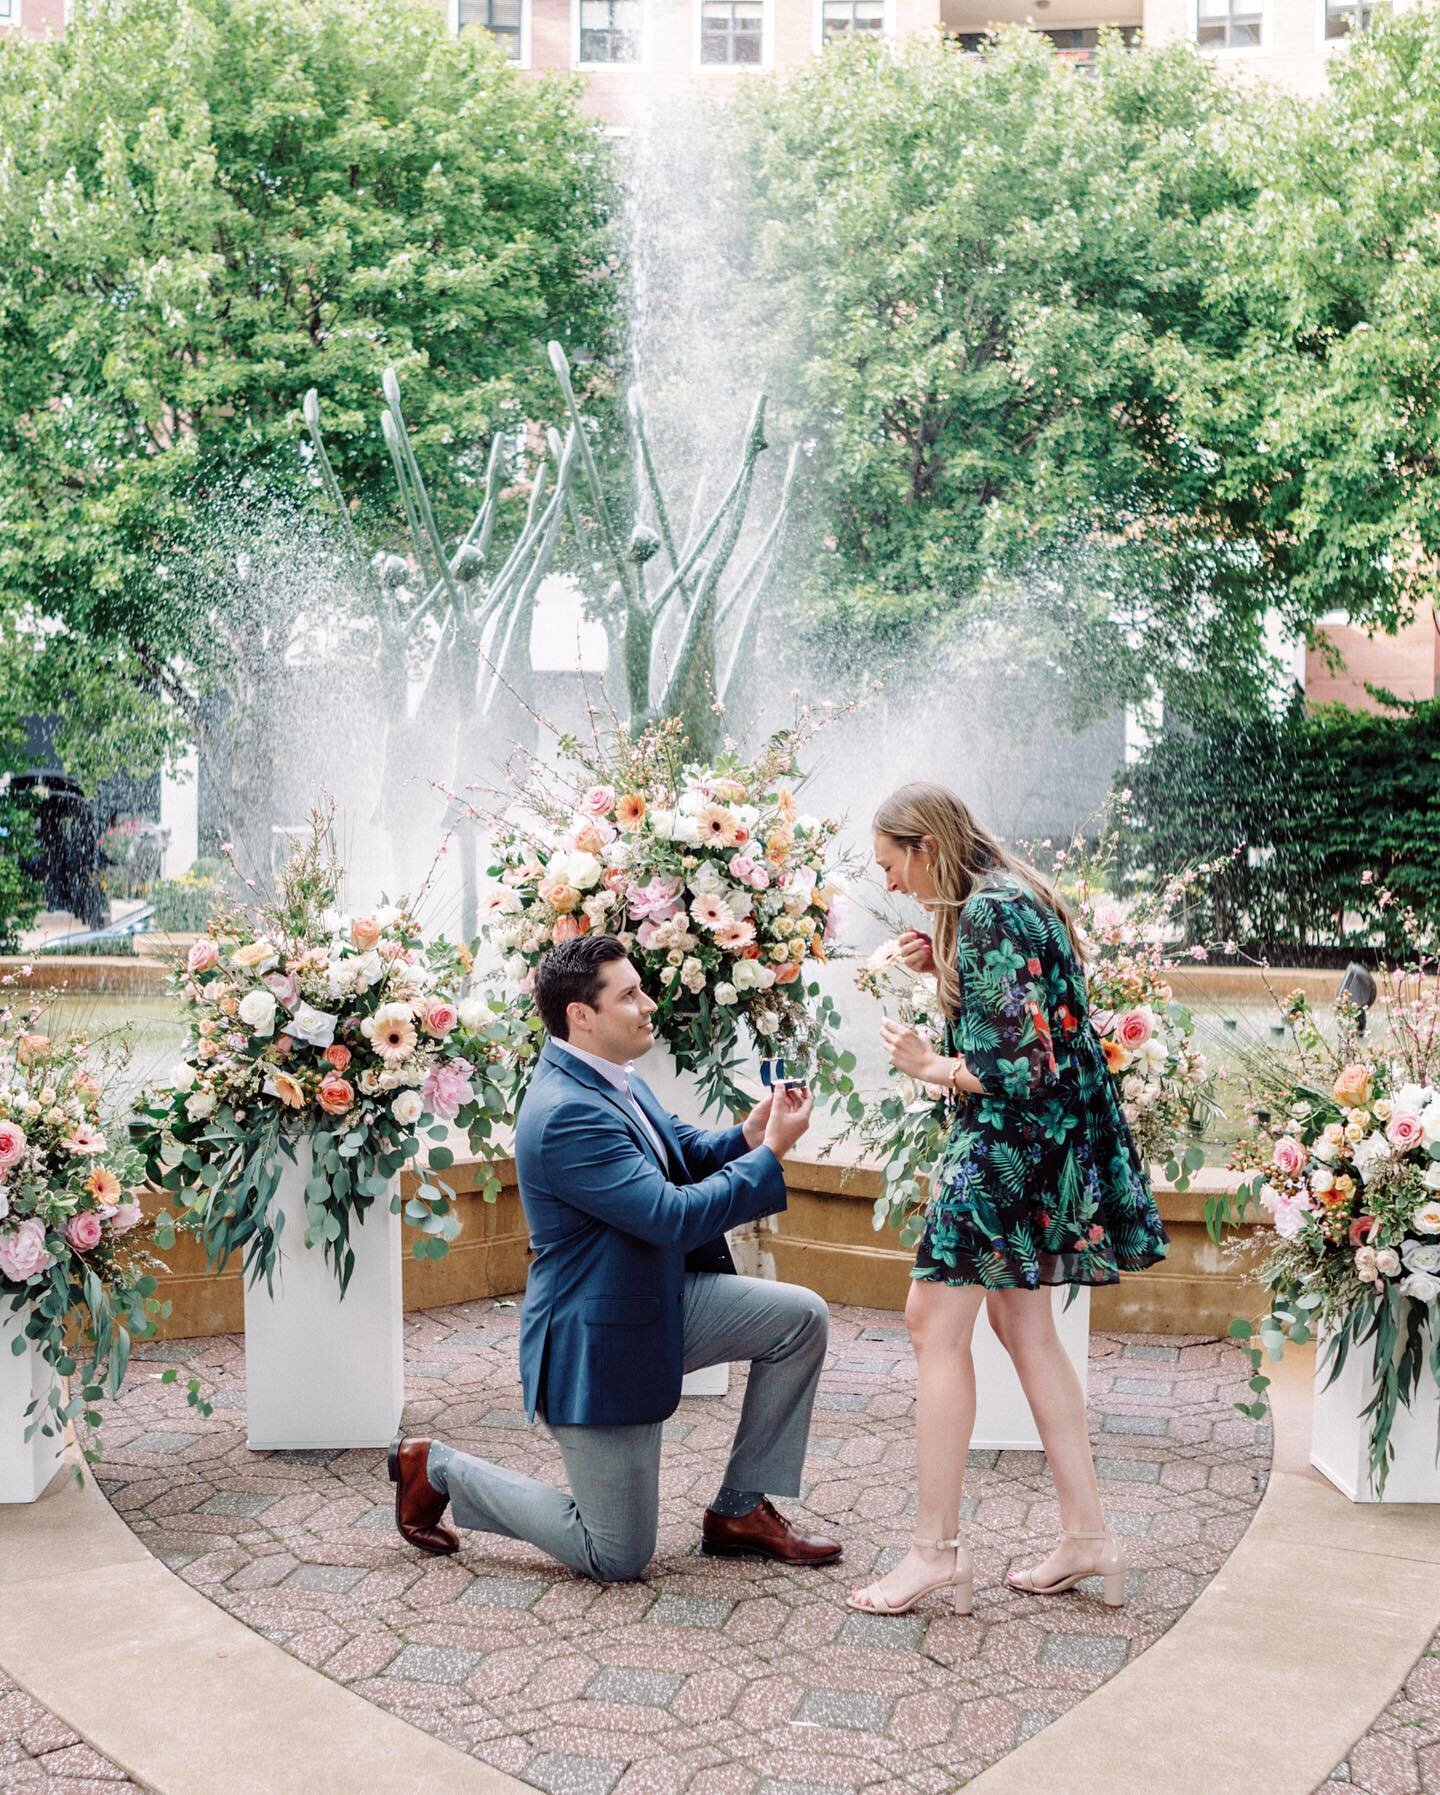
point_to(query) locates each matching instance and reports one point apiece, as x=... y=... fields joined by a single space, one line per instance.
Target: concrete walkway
x=1279 y=1665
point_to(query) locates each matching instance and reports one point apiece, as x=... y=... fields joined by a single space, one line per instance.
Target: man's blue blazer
x=614 y=1232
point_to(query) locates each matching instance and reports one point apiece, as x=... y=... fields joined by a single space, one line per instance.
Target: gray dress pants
x=604 y=1525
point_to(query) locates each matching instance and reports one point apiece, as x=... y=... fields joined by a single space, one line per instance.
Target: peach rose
x=559 y=896
x=364 y=932
x=1352 y=1087
x=335 y=1094
x=336 y=1056
x=254 y=953
x=568 y=927
x=787 y=974
x=30 y=1048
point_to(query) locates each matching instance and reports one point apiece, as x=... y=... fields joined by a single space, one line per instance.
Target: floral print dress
x=1039 y=1182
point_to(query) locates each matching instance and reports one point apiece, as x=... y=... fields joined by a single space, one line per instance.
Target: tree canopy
x=207 y=206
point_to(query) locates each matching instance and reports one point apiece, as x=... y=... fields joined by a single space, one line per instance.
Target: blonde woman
x=1039 y=1184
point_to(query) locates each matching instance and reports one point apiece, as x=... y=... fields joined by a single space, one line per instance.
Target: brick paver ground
x=715 y=1677
x=1400 y=1755
x=39 y=1755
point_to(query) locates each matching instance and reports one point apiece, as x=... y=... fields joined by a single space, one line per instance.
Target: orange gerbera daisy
x=1116 y=1058
x=630 y=811
x=717 y=826
x=103 y=1185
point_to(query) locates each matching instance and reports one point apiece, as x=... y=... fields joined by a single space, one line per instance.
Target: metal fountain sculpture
x=666 y=610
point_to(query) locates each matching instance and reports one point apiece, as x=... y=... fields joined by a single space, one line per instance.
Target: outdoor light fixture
x=1358 y=989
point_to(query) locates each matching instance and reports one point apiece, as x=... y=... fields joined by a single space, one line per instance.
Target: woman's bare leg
x=940 y=1318
x=1024 y=1323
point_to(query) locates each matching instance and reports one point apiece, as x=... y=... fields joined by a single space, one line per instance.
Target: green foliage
x=219 y=204
x=183 y=905
x=1330 y=820
x=983 y=264
x=1103 y=368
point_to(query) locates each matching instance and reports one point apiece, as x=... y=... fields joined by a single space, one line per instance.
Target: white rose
x=1410 y=1097
x=1421 y=1255
x=474 y=1012
x=1322 y=1180
x=1432 y=1175
x=1426 y=1219
x=181 y=1077
x=708 y=880
x=1424 y=1286
x=692 y=801
x=407 y=1108
x=692 y=976
x=766 y=1021
x=764 y=975
x=1430 y=1123
x=365 y=970
x=1323 y=1150
x=726 y=993
x=199 y=1106
x=315 y=1027
x=574 y=868
x=1387 y=1262
x=257 y=1012
x=617 y=853
x=1370 y=1151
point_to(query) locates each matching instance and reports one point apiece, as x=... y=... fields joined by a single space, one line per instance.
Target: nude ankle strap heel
x=1110 y=1568
x=961 y=1580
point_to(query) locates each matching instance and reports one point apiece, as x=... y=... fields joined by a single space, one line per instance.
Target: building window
x=9 y=12
x=1228 y=24
x=501 y=18
x=732 y=32
x=842 y=18
x=1346 y=18
x=609 y=31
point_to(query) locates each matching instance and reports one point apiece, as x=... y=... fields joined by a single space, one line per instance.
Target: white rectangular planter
x=26 y=1466
x=320 y=1372
x=1003 y=1420
x=1340 y=1439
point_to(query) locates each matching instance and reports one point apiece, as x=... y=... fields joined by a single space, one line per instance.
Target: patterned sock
x=436 y=1461
x=736 y=1502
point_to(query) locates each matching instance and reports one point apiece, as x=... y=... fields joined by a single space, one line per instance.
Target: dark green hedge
x=1313 y=801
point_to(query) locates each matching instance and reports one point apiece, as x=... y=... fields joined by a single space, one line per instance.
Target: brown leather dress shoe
x=419 y=1506
x=763 y=1534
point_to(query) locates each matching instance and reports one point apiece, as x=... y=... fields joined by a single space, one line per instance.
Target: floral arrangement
x=306 y=1024
x=73 y=1265
x=1345 y=1152
x=722 y=889
x=1147 y=1037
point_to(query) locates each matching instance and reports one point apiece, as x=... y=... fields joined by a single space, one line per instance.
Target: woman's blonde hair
x=964 y=854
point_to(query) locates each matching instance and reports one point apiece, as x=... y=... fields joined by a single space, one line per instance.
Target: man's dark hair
x=570 y=973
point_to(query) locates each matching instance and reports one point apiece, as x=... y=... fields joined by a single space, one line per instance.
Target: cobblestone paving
x=715 y=1677
x=41 y=1755
x=1400 y=1755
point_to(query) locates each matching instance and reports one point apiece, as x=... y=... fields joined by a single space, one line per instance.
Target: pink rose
x=741 y=867
x=1403 y=1130
x=22 y=1252
x=759 y=878
x=335 y=1094
x=1289 y=1156
x=447 y=1087
x=598 y=801
x=336 y=1056
x=614 y=878
x=1135 y=1029
x=83 y=1231
x=204 y=956
x=127 y=1216
x=440 y=1018
x=646 y=934
x=12 y=1144
x=364 y=932
x=285 y=987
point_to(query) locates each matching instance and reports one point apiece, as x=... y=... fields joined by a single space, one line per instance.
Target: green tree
x=986 y=271
x=207 y=206
x=1324 y=417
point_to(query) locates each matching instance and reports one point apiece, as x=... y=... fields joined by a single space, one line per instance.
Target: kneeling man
x=632 y=1284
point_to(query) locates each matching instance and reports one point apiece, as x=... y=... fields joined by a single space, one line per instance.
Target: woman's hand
x=758 y=1121
x=912 y=1054
x=917 y=951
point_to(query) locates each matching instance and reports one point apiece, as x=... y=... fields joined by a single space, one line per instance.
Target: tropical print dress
x=1039 y=1181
